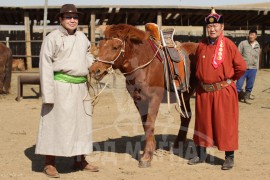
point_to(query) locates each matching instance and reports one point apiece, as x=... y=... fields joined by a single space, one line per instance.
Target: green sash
x=60 y=76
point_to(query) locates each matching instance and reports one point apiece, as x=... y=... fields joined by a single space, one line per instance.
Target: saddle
x=177 y=58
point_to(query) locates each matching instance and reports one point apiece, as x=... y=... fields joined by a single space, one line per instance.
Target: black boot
x=241 y=95
x=201 y=156
x=229 y=160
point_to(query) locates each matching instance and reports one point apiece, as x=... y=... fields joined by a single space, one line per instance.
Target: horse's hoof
x=144 y=164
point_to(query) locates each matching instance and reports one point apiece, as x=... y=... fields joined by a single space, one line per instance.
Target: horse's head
x=111 y=52
x=113 y=49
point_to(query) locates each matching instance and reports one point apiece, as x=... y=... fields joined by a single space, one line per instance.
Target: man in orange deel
x=218 y=65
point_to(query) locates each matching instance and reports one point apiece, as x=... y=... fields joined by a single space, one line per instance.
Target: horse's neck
x=141 y=56
x=138 y=54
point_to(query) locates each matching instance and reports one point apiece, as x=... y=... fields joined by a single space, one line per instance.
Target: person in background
x=250 y=50
x=218 y=65
x=65 y=127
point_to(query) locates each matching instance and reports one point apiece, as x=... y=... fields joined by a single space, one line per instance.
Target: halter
x=121 y=51
x=110 y=69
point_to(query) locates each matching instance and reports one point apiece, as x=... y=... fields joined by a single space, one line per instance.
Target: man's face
x=252 y=37
x=214 y=30
x=70 y=22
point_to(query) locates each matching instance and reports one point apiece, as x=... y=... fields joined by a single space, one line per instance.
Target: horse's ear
x=135 y=39
x=106 y=31
x=137 y=36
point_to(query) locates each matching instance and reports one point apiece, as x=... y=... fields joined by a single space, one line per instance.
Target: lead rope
x=94 y=99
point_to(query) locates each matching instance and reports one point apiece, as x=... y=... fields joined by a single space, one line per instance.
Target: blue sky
x=205 y=3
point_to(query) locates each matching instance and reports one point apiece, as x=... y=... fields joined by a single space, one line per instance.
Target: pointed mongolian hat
x=214 y=17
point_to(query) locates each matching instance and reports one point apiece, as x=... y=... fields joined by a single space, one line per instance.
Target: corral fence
x=15 y=40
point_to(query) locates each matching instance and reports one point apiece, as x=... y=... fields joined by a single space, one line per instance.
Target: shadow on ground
x=133 y=146
x=130 y=145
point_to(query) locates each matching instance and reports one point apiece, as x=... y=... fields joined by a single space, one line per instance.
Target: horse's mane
x=125 y=32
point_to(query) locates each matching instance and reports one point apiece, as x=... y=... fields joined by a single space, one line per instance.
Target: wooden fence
x=15 y=40
x=17 y=43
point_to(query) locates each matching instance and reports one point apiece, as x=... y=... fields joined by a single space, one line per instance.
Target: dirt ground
x=118 y=136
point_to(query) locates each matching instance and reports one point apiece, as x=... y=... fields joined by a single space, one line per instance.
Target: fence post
x=7 y=42
x=93 y=27
x=27 y=41
x=159 y=19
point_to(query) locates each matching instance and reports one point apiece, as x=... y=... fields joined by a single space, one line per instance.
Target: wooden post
x=7 y=42
x=27 y=41
x=159 y=19
x=204 y=31
x=126 y=18
x=263 y=59
x=45 y=18
x=93 y=27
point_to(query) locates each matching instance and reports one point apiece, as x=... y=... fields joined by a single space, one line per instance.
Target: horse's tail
x=7 y=73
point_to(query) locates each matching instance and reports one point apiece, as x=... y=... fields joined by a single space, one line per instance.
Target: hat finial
x=213 y=11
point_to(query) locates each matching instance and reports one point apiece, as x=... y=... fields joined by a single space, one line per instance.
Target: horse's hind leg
x=2 y=76
x=182 y=134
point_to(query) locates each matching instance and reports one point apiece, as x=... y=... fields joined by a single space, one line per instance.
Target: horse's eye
x=115 y=48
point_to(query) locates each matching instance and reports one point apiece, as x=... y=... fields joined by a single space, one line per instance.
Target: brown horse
x=5 y=68
x=127 y=48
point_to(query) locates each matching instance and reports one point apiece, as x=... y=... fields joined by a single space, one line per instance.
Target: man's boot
x=81 y=164
x=251 y=97
x=241 y=95
x=229 y=160
x=201 y=156
x=49 y=168
x=247 y=97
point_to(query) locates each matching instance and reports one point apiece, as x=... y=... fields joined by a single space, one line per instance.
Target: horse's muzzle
x=98 y=74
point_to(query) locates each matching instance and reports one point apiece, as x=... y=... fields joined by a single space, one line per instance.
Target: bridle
x=110 y=69
x=120 y=52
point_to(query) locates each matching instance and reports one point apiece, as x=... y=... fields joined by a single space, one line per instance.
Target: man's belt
x=60 y=76
x=216 y=86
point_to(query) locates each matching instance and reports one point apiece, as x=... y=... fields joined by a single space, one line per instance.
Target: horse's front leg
x=148 y=112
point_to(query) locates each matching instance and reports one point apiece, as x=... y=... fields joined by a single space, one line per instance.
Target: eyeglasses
x=70 y=17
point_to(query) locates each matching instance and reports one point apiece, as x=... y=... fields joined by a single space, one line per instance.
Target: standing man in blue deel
x=250 y=50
